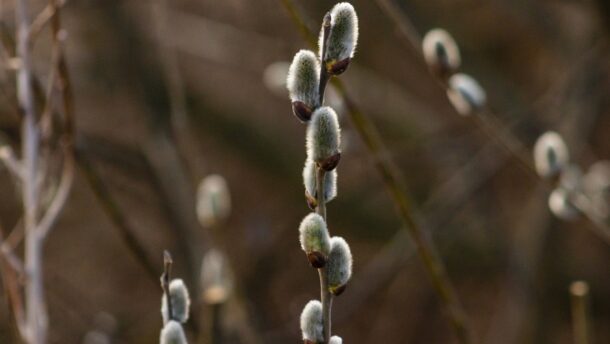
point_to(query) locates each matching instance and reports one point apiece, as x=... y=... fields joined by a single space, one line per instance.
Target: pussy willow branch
x=485 y=121
x=394 y=185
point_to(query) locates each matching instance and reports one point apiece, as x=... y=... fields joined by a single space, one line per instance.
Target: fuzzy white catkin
x=216 y=277
x=550 y=154
x=309 y=180
x=323 y=134
x=213 y=200
x=172 y=333
x=465 y=94
x=441 y=52
x=339 y=263
x=343 y=36
x=560 y=205
x=313 y=234
x=335 y=340
x=180 y=302
x=303 y=79
x=312 y=326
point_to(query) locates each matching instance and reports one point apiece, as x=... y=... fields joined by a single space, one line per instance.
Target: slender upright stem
x=36 y=313
x=326 y=297
x=579 y=292
x=395 y=187
x=324 y=77
x=165 y=279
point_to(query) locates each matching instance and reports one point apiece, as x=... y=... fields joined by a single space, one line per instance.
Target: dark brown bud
x=330 y=163
x=316 y=259
x=337 y=67
x=307 y=341
x=302 y=111
x=338 y=290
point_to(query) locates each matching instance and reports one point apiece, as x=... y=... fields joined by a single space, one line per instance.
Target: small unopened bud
x=550 y=154
x=441 y=53
x=213 y=200
x=335 y=340
x=465 y=94
x=180 y=302
x=339 y=265
x=303 y=84
x=323 y=136
x=312 y=325
x=172 y=333
x=216 y=278
x=561 y=206
x=314 y=238
x=342 y=38
x=309 y=180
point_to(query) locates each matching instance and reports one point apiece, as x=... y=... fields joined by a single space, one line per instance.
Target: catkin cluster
x=442 y=55
x=574 y=191
x=307 y=78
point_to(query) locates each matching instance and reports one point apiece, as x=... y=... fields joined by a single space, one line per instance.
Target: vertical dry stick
x=391 y=178
x=579 y=292
x=36 y=314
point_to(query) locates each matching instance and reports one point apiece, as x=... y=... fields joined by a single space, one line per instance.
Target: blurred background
x=169 y=92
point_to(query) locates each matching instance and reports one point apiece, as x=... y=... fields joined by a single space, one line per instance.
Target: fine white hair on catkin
x=172 y=333
x=303 y=79
x=309 y=180
x=339 y=264
x=313 y=234
x=180 y=302
x=312 y=326
x=343 y=36
x=323 y=134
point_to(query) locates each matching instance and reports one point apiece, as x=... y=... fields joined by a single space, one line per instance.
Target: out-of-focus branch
x=487 y=121
x=116 y=215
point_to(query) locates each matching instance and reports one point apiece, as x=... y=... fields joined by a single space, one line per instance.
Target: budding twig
x=165 y=279
x=394 y=185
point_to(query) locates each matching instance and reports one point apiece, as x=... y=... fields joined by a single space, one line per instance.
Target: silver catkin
x=309 y=180
x=312 y=325
x=339 y=264
x=323 y=134
x=304 y=78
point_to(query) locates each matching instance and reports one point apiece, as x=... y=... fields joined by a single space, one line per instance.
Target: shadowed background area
x=167 y=92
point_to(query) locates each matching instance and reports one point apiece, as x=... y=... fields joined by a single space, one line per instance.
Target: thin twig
x=326 y=297
x=59 y=199
x=7 y=156
x=165 y=279
x=394 y=185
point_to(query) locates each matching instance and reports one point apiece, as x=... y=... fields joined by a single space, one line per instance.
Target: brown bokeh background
x=167 y=92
